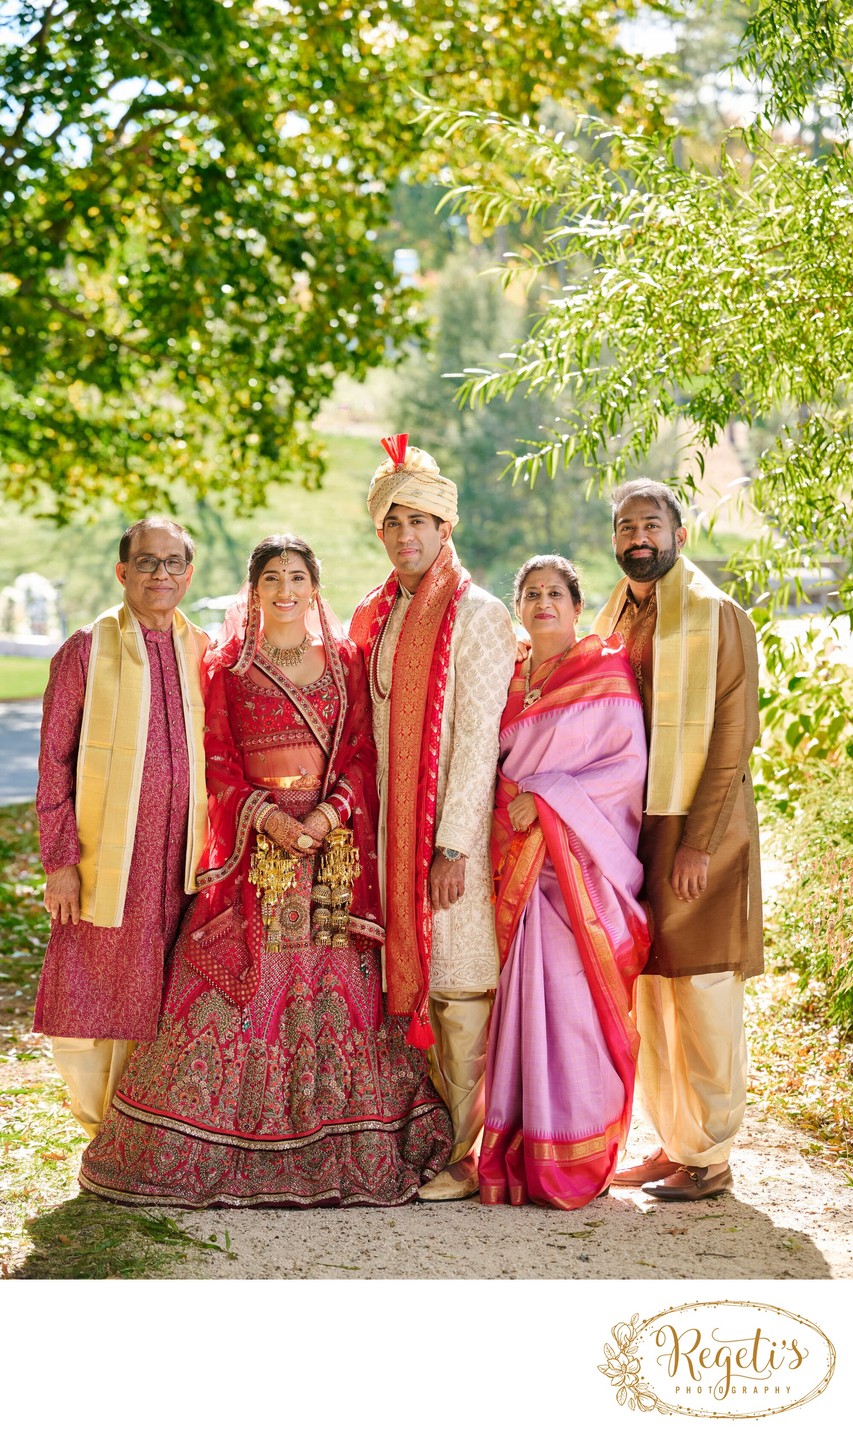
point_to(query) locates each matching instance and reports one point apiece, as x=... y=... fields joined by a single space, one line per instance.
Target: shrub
x=813 y=915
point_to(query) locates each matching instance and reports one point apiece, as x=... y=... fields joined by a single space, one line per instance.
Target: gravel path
x=790 y=1216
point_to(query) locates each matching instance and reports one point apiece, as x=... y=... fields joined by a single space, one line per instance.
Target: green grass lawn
x=82 y=555
x=47 y=1228
x=22 y=678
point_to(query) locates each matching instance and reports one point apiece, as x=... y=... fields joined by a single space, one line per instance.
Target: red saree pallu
x=418 y=686
x=571 y=932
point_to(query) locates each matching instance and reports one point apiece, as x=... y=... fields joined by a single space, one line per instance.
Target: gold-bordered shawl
x=685 y=647
x=111 y=757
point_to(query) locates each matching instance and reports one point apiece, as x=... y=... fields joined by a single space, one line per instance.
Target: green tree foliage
x=696 y=293
x=501 y=524
x=191 y=193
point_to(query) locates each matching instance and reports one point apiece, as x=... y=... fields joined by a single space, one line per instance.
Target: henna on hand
x=317 y=824
x=285 y=832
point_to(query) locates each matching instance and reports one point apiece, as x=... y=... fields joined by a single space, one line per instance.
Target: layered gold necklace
x=286 y=658
x=531 y=695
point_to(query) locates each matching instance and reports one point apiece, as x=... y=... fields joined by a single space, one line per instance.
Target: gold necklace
x=531 y=695
x=286 y=658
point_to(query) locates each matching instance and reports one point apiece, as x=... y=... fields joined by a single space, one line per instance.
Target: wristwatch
x=451 y=854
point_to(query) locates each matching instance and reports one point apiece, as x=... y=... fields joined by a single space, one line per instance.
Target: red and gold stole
x=418 y=685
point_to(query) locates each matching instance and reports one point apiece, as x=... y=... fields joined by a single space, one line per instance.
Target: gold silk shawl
x=684 y=681
x=111 y=756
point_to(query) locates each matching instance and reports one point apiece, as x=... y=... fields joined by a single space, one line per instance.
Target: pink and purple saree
x=571 y=931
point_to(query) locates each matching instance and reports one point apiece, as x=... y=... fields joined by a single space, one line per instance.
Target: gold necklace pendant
x=531 y=695
x=286 y=658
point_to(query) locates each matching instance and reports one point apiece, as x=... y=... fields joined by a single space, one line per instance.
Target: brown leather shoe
x=654 y=1166
x=690 y=1184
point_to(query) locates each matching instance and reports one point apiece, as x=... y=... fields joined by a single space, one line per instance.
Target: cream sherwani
x=464 y=949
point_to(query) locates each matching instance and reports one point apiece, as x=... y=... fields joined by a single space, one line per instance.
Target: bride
x=274 y=1078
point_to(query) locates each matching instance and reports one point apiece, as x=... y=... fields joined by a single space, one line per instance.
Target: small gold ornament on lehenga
x=321 y=914
x=339 y=868
x=273 y=874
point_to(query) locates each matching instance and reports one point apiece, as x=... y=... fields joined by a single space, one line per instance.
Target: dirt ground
x=790 y=1216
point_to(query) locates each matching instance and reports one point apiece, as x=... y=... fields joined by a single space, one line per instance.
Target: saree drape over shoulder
x=571 y=931
x=274 y=1079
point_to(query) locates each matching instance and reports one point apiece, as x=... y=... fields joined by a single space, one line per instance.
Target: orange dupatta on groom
x=419 y=681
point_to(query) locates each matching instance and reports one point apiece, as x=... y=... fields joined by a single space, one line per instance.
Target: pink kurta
x=108 y=982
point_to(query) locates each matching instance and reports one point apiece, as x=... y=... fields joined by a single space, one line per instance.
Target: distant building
x=31 y=621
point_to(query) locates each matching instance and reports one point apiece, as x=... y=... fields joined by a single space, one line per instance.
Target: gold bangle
x=262 y=814
x=330 y=814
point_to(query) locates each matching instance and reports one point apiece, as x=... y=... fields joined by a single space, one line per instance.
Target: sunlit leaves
x=191 y=197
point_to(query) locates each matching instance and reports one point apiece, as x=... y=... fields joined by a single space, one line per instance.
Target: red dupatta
x=418 y=685
x=219 y=943
x=593 y=672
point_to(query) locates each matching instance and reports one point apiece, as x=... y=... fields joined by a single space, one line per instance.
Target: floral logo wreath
x=623 y=1370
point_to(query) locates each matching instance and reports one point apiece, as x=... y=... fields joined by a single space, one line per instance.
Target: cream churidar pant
x=692 y=1066
x=92 y=1069
x=457 y=1063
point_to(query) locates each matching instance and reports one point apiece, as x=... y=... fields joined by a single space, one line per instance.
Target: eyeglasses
x=148 y=564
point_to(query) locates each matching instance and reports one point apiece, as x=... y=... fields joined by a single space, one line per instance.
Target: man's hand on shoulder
x=446 y=879
x=62 y=894
x=689 y=873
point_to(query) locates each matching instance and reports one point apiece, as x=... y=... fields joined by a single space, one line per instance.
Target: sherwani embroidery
x=464 y=967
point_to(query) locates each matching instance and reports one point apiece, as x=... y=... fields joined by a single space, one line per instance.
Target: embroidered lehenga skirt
x=297 y=1099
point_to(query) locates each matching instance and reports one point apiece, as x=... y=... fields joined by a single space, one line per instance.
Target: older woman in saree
x=571 y=932
x=274 y=1078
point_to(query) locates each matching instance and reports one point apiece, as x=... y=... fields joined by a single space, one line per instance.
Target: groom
x=440 y=654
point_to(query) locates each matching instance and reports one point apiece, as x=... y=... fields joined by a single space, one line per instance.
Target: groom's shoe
x=653 y=1167
x=448 y=1187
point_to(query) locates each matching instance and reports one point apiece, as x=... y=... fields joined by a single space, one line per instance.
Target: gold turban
x=410 y=477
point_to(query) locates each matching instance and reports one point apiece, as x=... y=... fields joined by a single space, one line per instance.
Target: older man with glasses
x=122 y=809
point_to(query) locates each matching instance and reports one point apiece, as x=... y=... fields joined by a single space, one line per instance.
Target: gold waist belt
x=307 y=781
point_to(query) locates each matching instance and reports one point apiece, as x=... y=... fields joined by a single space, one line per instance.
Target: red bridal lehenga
x=274 y=1078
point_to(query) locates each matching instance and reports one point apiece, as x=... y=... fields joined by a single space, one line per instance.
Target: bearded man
x=440 y=654
x=694 y=653
x=122 y=809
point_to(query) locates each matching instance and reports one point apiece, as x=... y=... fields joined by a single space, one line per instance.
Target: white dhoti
x=692 y=1065
x=92 y=1068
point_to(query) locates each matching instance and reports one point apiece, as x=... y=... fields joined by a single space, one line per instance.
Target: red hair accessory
x=395 y=447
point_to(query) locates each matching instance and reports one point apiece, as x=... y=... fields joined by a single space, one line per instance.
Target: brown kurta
x=721 y=932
